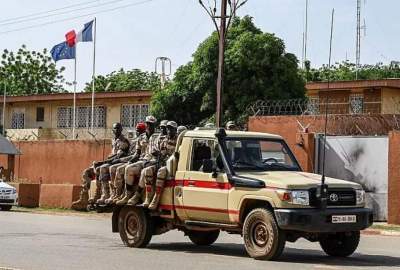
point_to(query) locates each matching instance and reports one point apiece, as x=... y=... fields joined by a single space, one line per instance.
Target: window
x=18 y=120
x=39 y=114
x=83 y=117
x=356 y=103
x=133 y=113
x=204 y=149
x=260 y=155
x=313 y=106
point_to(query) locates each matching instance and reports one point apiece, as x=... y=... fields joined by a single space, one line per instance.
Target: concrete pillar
x=394 y=178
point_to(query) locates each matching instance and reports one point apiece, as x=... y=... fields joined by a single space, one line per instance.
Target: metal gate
x=363 y=160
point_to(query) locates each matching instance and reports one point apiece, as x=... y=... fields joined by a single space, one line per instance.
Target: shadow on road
x=290 y=255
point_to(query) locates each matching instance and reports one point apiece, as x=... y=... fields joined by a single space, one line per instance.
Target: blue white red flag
x=85 y=35
x=63 y=51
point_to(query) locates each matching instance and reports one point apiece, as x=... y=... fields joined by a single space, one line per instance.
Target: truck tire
x=340 y=244
x=262 y=237
x=201 y=238
x=5 y=207
x=135 y=227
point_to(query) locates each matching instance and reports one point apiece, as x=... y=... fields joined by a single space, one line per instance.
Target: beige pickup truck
x=250 y=184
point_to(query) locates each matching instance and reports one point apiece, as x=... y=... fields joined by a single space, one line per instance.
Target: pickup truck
x=250 y=184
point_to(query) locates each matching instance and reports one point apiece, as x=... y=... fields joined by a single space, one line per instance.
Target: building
x=50 y=116
x=355 y=97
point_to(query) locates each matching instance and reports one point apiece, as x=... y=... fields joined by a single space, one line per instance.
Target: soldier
x=117 y=170
x=120 y=148
x=145 y=147
x=231 y=125
x=90 y=174
x=181 y=129
x=166 y=148
x=163 y=128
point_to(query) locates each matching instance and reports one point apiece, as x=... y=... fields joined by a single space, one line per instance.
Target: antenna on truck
x=322 y=189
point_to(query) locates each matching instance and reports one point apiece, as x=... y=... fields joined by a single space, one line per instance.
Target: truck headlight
x=14 y=191
x=299 y=197
x=360 y=196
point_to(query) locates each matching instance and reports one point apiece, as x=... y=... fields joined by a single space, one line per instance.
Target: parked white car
x=8 y=196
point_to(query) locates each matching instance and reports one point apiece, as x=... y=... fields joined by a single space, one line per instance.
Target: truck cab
x=251 y=184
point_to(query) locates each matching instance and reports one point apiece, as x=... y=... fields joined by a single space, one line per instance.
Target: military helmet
x=181 y=129
x=230 y=124
x=163 y=123
x=117 y=126
x=151 y=119
x=172 y=124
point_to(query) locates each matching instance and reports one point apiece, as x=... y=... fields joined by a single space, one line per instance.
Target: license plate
x=344 y=219
x=5 y=197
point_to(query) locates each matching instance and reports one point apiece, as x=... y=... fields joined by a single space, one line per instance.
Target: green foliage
x=346 y=71
x=125 y=81
x=256 y=67
x=29 y=72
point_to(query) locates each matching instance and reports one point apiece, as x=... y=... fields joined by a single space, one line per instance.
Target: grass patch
x=386 y=227
x=55 y=211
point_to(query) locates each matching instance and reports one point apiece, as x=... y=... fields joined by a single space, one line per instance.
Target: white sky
x=132 y=37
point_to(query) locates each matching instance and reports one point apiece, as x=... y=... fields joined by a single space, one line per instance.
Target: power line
x=77 y=17
x=59 y=13
x=48 y=11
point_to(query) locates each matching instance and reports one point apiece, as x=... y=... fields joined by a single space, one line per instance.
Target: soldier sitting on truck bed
x=167 y=148
x=146 y=145
x=93 y=172
x=120 y=148
x=117 y=170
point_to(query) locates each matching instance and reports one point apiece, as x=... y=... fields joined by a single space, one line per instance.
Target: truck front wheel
x=135 y=227
x=262 y=237
x=201 y=238
x=340 y=244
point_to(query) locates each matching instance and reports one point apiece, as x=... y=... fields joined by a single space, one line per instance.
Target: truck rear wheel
x=135 y=227
x=262 y=237
x=340 y=244
x=5 y=207
x=201 y=238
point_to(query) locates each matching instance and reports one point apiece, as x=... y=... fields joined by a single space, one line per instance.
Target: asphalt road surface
x=39 y=241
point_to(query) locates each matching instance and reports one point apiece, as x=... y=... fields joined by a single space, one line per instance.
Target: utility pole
x=221 y=60
x=163 y=75
x=305 y=37
x=358 y=39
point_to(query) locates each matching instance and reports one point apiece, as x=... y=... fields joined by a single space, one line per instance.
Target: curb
x=380 y=232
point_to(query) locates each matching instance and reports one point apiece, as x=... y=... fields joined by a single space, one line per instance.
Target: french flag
x=85 y=35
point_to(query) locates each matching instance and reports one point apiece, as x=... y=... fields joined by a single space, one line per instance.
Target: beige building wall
x=29 y=109
x=390 y=101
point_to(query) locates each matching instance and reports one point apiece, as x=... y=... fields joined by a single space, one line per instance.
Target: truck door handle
x=191 y=183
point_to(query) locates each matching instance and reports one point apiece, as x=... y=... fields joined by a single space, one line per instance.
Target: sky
x=133 y=33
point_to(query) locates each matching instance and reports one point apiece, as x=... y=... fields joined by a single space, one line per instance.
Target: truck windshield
x=260 y=155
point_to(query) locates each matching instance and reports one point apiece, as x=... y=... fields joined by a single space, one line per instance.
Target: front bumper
x=10 y=200
x=320 y=221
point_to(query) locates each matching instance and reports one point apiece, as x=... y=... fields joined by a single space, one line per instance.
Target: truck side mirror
x=208 y=166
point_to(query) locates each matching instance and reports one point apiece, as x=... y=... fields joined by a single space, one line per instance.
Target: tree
x=125 y=81
x=256 y=67
x=29 y=72
x=346 y=71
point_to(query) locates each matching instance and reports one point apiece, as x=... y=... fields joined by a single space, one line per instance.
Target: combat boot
x=97 y=194
x=136 y=198
x=156 y=200
x=149 y=196
x=82 y=202
x=110 y=200
x=105 y=194
x=128 y=195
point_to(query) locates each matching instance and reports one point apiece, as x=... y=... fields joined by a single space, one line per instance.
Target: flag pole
x=74 y=107
x=94 y=70
x=4 y=109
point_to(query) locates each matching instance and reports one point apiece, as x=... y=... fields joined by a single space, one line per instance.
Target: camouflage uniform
x=161 y=151
x=120 y=148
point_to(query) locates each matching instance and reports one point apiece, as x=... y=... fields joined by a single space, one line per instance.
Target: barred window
x=356 y=103
x=131 y=114
x=83 y=117
x=18 y=120
x=313 y=106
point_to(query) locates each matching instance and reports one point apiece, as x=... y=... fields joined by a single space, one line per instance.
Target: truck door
x=205 y=198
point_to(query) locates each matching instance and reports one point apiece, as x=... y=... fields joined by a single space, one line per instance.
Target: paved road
x=39 y=241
